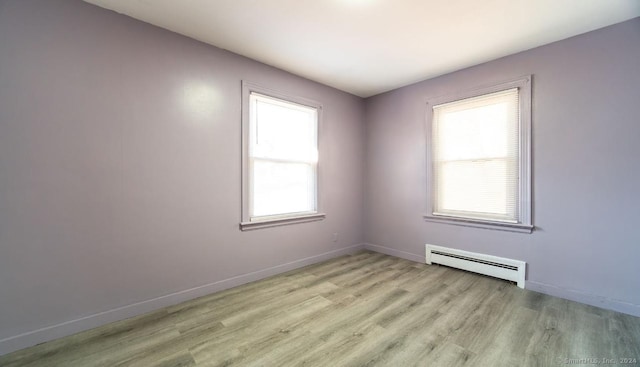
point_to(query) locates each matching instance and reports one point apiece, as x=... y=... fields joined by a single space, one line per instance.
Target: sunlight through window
x=283 y=157
x=475 y=157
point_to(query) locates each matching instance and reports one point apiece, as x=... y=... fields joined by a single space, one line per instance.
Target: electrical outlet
x=335 y=237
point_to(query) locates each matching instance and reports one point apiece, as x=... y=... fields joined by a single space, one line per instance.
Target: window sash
x=280 y=197
x=510 y=210
x=302 y=148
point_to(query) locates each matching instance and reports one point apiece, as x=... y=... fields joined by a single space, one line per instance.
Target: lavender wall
x=586 y=103
x=120 y=170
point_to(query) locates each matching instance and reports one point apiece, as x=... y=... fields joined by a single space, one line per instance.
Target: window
x=479 y=158
x=280 y=159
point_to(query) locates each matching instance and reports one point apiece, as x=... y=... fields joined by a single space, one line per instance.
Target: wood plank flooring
x=365 y=309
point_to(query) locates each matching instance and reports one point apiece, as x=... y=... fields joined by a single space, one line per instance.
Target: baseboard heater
x=509 y=269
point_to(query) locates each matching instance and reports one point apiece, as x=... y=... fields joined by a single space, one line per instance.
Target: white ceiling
x=366 y=47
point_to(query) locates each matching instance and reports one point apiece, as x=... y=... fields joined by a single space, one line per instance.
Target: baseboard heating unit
x=498 y=267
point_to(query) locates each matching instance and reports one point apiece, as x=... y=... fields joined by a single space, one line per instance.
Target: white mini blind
x=475 y=149
x=283 y=156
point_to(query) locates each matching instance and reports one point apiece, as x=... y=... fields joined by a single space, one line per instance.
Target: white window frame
x=248 y=222
x=525 y=224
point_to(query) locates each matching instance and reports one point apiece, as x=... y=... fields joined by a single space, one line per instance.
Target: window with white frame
x=280 y=159
x=479 y=158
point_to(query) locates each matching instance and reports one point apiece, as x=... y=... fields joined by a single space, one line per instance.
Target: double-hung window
x=280 y=158
x=479 y=158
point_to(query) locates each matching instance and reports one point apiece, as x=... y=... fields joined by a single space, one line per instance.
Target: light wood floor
x=366 y=309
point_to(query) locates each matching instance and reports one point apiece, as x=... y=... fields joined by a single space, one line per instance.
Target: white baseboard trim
x=394 y=252
x=584 y=297
x=31 y=338
x=552 y=290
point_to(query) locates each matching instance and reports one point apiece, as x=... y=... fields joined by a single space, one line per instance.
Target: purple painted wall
x=120 y=170
x=586 y=131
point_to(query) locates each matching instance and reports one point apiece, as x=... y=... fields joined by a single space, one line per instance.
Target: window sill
x=266 y=223
x=476 y=223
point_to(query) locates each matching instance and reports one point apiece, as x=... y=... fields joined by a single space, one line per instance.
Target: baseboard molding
x=583 y=297
x=31 y=338
x=394 y=252
x=552 y=290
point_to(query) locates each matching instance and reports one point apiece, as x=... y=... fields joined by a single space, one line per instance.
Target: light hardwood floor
x=366 y=309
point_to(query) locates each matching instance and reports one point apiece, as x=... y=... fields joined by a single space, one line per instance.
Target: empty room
x=319 y=183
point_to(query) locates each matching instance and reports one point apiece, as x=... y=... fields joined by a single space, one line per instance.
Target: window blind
x=475 y=149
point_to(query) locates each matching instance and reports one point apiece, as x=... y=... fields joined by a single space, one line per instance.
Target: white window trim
x=526 y=208
x=247 y=223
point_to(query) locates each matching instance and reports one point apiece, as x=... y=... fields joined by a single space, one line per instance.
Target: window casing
x=478 y=156
x=280 y=159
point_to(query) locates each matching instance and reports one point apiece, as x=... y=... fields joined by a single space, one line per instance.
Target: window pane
x=477 y=188
x=284 y=131
x=478 y=132
x=281 y=188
